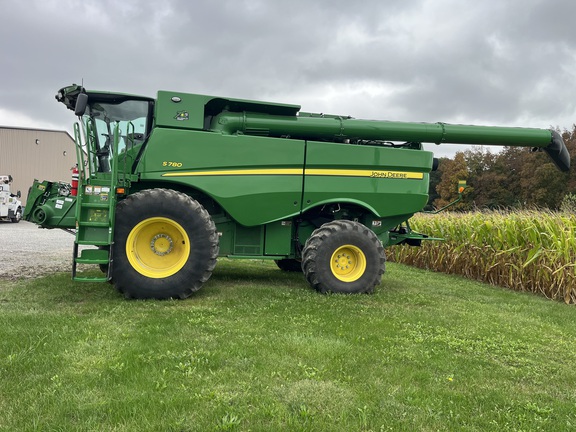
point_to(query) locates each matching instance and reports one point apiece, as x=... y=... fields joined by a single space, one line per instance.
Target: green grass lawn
x=257 y=350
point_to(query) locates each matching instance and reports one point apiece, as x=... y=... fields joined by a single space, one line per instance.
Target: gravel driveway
x=29 y=251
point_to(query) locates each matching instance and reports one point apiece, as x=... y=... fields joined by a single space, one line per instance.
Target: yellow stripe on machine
x=272 y=171
x=402 y=175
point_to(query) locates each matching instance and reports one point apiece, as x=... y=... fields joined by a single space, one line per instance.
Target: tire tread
x=314 y=272
x=178 y=285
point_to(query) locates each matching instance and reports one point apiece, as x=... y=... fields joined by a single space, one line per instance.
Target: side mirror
x=81 y=103
x=18 y=194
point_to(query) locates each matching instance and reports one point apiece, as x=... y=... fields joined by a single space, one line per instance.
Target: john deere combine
x=167 y=185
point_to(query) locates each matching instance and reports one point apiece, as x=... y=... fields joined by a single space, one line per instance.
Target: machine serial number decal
x=172 y=164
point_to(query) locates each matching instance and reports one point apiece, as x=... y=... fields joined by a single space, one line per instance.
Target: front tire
x=343 y=256
x=165 y=245
x=17 y=216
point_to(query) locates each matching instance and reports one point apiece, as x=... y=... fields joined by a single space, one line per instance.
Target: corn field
x=530 y=251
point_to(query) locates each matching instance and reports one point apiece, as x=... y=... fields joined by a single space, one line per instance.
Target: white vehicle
x=10 y=205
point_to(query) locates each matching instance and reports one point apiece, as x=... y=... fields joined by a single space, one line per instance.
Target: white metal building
x=26 y=154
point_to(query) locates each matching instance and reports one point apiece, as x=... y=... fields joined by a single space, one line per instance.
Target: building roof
x=37 y=130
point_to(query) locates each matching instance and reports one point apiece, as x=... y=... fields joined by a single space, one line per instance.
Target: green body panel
x=189 y=111
x=377 y=178
x=258 y=180
x=278 y=238
x=229 y=168
x=271 y=240
x=248 y=240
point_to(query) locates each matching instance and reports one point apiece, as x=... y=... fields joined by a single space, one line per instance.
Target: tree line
x=514 y=178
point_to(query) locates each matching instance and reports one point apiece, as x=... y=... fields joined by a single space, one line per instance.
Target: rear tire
x=165 y=245
x=343 y=257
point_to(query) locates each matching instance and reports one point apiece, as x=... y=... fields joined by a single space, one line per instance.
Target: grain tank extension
x=168 y=185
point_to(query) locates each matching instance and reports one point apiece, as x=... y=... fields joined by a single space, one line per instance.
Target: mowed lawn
x=257 y=350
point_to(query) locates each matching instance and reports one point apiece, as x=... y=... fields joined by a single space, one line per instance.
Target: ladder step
x=90 y=279
x=93 y=224
x=104 y=205
x=93 y=242
x=93 y=256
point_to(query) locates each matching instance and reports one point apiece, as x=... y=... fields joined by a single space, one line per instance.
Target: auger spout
x=339 y=129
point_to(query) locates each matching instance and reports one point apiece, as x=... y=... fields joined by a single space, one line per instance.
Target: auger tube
x=340 y=128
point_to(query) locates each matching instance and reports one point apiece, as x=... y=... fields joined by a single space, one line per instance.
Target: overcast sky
x=491 y=62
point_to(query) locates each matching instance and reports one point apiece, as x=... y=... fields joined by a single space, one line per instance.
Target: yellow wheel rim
x=158 y=247
x=348 y=263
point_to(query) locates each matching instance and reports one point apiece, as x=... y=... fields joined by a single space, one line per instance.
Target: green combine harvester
x=166 y=186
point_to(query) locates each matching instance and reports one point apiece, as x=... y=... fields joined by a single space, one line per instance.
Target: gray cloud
x=490 y=62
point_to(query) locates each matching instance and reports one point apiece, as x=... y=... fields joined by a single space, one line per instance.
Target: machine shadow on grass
x=230 y=278
x=228 y=274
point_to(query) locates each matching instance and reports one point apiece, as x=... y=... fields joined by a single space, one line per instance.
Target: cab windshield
x=102 y=118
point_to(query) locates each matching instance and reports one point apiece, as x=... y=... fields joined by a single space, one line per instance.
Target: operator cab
x=102 y=113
